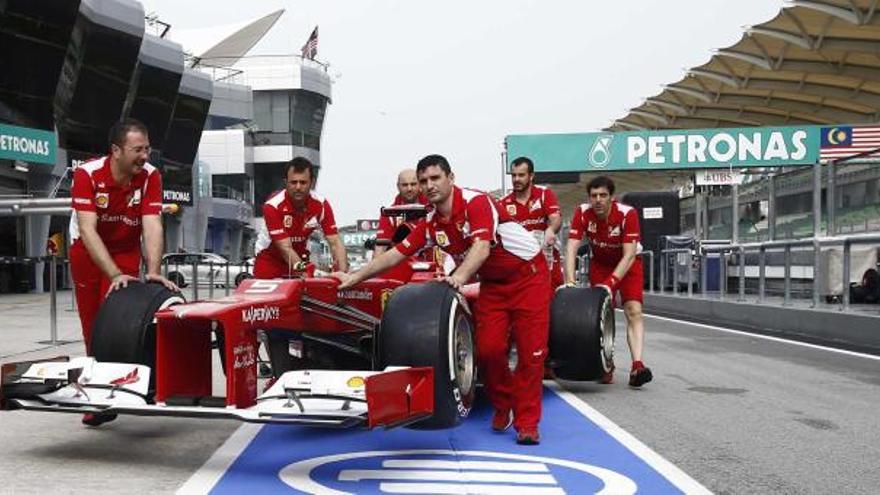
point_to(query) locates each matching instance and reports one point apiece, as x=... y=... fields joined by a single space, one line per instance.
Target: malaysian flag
x=842 y=142
x=310 y=49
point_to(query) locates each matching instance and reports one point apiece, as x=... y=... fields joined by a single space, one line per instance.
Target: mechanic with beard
x=291 y=215
x=116 y=200
x=537 y=209
x=408 y=193
x=514 y=289
x=612 y=230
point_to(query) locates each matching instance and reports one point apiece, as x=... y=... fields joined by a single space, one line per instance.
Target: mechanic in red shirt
x=514 y=289
x=612 y=230
x=408 y=193
x=291 y=215
x=116 y=200
x=537 y=209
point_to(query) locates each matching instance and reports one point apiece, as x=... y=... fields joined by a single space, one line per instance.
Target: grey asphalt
x=742 y=414
x=737 y=413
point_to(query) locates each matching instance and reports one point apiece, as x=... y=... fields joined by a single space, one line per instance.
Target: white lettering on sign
x=652 y=212
x=260 y=315
x=20 y=144
x=184 y=196
x=720 y=148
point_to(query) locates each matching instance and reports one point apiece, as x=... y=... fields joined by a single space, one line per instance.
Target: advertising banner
x=27 y=145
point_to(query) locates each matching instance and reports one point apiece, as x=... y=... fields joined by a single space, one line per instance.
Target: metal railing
x=787 y=247
x=228 y=275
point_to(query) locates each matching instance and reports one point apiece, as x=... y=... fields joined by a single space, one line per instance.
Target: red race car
x=394 y=350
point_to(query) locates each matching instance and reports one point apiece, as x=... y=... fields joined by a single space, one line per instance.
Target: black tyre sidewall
x=576 y=332
x=417 y=330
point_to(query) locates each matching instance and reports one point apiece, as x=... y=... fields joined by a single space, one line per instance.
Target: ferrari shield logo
x=102 y=199
x=385 y=296
x=441 y=238
x=591 y=228
x=288 y=221
x=511 y=209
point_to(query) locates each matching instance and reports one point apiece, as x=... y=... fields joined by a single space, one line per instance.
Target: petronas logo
x=600 y=154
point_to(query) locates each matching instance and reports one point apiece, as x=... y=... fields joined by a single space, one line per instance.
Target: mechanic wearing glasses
x=116 y=200
x=514 y=289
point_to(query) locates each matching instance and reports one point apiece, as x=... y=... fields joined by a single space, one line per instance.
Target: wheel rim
x=464 y=355
x=606 y=336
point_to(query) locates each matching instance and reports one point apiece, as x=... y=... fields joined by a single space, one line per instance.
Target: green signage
x=27 y=145
x=667 y=150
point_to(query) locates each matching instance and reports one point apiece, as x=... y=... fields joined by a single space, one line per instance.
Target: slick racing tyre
x=125 y=328
x=430 y=325
x=241 y=277
x=581 y=333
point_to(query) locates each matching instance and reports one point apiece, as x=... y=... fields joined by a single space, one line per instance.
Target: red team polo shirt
x=284 y=221
x=475 y=217
x=606 y=237
x=387 y=224
x=119 y=208
x=534 y=213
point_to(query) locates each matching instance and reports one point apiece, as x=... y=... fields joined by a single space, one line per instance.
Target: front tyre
x=430 y=325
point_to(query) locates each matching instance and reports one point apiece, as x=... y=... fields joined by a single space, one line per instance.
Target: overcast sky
x=454 y=77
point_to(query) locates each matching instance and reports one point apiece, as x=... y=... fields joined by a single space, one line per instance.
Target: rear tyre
x=125 y=328
x=581 y=333
x=430 y=325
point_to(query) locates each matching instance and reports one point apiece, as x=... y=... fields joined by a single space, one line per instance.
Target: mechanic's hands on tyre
x=162 y=280
x=566 y=286
x=120 y=281
x=345 y=279
x=454 y=282
x=612 y=283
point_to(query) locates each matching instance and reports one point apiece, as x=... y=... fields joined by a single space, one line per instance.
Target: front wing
x=328 y=398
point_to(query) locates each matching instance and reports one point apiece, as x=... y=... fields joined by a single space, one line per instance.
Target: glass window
x=280 y=111
x=263 y=110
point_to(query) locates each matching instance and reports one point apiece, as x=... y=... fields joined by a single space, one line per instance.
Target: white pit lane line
x=203 y=480
x=766 y=337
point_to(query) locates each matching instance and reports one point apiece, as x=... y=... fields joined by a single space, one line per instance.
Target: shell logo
x=355 y=382
x=102 y=200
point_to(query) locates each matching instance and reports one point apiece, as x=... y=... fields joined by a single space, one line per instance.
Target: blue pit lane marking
x=581 y=451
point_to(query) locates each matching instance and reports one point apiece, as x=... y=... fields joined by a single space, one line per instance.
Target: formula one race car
x=395 y=350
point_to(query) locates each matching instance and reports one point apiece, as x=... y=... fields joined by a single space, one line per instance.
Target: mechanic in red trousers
x=408 y=193
x=612 y=230
x=116 y=200
x=537 y=209
x=514 y=289
x=291 y=215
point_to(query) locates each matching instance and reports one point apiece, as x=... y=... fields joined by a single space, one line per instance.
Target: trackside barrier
x=786 y=246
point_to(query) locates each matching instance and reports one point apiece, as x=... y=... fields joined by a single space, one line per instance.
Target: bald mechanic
x=514 y=289
x=117 y=201
x=408 y=193
x=612 y=230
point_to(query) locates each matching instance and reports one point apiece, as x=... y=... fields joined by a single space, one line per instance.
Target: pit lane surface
x=738 y=413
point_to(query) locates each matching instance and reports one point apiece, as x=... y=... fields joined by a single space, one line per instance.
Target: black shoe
x=97 y=419
x=640 y=376
x=528 y=436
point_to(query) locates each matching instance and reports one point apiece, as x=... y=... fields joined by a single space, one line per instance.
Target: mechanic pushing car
x=612 y=230
x=514 y=289
x=537 y=209
x=291 y=215
x=408 y=193
x=116 y=199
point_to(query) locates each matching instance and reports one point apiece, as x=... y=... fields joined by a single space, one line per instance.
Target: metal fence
x=737 y=253
x=210 y=276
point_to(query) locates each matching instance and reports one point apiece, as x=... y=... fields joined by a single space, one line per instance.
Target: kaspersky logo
x=600 y=153
x=449 y=471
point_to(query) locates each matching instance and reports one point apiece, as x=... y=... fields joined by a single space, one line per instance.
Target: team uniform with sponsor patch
x=606 y=238
x=119 y=209
x=534 y=215
x=283 y=220
x=514 y=294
